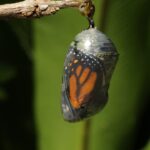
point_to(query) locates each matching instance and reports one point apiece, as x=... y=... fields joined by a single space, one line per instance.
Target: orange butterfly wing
x=81 y=85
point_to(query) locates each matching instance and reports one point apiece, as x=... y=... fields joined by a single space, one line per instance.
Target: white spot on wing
x=65 y=108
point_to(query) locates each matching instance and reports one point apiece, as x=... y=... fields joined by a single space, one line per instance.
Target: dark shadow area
x=142 y=134
x=142 y=130
x=17 y=126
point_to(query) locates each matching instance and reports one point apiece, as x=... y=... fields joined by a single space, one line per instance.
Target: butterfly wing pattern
x=88 y=69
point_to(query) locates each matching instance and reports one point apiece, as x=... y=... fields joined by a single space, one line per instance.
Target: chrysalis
x=88 y=68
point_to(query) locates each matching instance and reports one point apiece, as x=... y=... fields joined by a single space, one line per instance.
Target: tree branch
x=33 y=9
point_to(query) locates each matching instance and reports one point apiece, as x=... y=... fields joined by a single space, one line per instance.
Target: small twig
x=86 y=136
x=33 y=9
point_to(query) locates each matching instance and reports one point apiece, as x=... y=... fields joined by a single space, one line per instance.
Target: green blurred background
x=32 y=54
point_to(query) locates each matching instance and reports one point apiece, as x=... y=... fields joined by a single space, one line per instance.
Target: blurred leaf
x=52 y=38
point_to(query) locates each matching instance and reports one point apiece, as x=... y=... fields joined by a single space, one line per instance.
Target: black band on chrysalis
x=91 y=23
x=90 y=16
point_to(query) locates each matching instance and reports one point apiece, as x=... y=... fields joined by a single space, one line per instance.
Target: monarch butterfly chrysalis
x=88 y=68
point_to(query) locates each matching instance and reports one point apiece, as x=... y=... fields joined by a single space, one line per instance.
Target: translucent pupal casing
x=88 y=68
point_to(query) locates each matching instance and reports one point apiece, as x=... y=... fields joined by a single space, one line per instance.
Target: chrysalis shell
x=88 y=68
